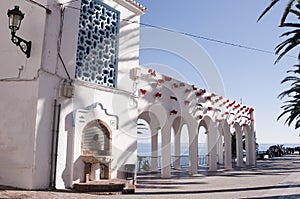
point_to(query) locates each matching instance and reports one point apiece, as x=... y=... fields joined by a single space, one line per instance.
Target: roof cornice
x=133 y=6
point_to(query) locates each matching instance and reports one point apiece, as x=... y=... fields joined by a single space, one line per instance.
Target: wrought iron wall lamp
x=15 y=17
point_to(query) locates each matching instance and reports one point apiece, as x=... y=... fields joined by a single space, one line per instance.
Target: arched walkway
x=174 y=104
x=154 y=127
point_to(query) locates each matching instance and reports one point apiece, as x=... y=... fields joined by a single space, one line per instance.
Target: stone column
x=177 y=151
x=227 y=147
x=253 y=162
x=212 y=146
x=252 y=129
x=154 y=149
x=220 y=148
x=248 y=141
x=239 y=146
x=193 y=148
x=166 y=151
x=177 y=134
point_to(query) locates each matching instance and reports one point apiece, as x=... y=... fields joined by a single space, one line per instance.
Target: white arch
x=225 y=128
x=239 y=144
x=212 y=132
x=154 y=125
x=178 y=123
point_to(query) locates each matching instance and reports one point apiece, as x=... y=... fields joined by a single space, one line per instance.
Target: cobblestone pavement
x=271 y=178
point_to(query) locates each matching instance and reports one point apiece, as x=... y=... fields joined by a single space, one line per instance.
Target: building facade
x=76 y=80
x=70 y=110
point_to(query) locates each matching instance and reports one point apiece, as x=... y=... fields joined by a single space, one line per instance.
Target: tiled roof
x=137 y=5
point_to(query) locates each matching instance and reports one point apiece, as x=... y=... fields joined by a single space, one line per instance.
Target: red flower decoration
x=187 y=90
x=208 y=98
x=198 y=94
x=143 y=91
x=161 y=81
x=210 y=108
x=158 y=94
x=168 y=78
x=199 y=117
x=153 y=73
x=173 y=112
x=194 y=87
x=237 y=106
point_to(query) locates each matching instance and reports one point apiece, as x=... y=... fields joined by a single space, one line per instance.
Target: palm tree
x=291 y=107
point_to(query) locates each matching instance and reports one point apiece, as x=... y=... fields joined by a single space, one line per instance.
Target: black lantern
x=15 y=17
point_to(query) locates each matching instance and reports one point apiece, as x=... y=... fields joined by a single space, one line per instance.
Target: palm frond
x=297 y=125
x=286 y=12
x=295 y=12
x=294 y=25
x=290 y=32
x=267 y=9
x=290 y=78
x=292 y=45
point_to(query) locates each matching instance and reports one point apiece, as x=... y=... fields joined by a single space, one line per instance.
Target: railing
x=144 y=162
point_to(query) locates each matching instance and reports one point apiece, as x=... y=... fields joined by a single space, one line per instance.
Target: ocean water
x=144 y=155
x=144 y=149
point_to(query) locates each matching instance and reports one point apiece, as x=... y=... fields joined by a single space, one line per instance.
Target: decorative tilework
x=98 y=40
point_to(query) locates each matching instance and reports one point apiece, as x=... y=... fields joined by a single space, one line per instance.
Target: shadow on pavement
x=221 y=190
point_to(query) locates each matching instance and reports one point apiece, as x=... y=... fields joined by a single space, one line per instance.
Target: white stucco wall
x=120 y=101
x=19 y=98
x=26 y=129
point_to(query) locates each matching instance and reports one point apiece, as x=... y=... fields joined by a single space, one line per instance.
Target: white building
x=98 y=47
x=70 y=110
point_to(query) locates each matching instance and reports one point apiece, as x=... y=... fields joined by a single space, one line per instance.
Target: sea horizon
x=144 y=148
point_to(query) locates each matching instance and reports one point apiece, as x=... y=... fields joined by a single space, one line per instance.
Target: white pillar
x=193 y=148
x=220 y=148
x=166 y=151
x=212 y=147
x=154 y=149
x=227 y=147
x=177 y=126
x=252 y=129
x=239 y=147
x=177 y=150
x=248 y=141
x=253 y=147
x=250 y=147
x=95 y=171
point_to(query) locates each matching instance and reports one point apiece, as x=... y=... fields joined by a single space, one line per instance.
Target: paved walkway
x=272 y=178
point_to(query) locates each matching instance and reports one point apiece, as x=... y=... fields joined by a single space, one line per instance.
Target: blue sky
x=246 y=74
